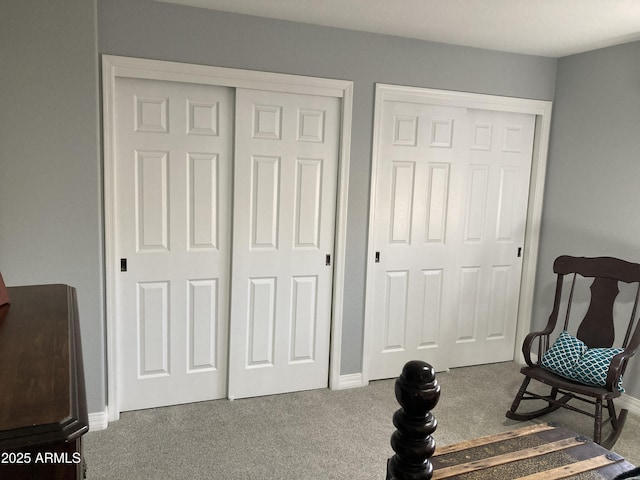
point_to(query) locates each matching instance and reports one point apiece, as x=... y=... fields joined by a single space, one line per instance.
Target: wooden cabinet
x=43 y=410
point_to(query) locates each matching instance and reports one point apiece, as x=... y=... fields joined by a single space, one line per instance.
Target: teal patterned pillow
x=593 y=366
x=563 y=356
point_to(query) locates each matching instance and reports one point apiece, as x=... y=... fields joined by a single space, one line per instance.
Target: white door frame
x=114 y=67
x=542 y=110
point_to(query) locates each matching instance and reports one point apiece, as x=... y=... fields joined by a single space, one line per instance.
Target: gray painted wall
x=593 y=177
x=50 y=211
x=147 y=29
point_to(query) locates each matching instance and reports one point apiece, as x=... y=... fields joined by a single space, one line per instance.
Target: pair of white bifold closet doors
x=224 y=226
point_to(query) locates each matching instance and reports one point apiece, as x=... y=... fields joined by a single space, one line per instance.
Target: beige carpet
x=319 y=434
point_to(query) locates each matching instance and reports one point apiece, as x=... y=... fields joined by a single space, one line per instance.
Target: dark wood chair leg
x=597 y=427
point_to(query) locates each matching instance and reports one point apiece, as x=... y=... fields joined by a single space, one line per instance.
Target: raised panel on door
x=173 y=171
x=152 y=316
x=151 y=200
x=308 y=202
x=265 y=200
x=284 y=199
x=450 y=209
x=202 y=330
x=261 y=319
x=303 y=328
x=203 y=203
x=395 y=316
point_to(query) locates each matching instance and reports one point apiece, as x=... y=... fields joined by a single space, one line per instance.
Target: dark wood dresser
x=43 y=409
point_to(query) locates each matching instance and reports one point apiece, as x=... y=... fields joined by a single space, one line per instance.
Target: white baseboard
x=98 y=420
x=352 y=380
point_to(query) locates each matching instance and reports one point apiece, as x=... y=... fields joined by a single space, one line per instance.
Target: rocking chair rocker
x=583 y=367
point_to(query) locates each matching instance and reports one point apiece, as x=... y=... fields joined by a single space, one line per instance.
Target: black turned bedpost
x=417 y=392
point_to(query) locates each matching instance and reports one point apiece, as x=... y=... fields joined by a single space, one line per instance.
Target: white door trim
x=542 y=110
x=114 y=67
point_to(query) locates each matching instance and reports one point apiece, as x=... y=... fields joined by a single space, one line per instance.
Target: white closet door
x=451 y=196
x=497 y=167
x=173 y=176
x=413 y=286
x=285 y=179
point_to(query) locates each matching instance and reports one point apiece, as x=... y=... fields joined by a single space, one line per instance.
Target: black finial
x=417 y=392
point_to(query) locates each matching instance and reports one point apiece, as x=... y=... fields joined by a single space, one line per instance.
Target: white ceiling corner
x=550 y=28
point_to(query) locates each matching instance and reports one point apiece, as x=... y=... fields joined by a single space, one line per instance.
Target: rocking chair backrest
x=596 y=329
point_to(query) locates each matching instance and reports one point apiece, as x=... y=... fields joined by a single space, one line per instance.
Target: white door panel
x=450 y=210
x=498 y=164
x=173 y=171
x=414 y=206
x=285 y=193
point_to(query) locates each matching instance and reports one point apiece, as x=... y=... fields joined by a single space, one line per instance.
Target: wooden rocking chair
x=566 y=366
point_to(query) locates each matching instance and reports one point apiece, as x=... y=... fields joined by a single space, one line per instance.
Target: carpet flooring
x=315 y=435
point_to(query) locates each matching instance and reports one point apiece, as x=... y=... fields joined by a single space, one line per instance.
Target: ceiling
x=551 y=28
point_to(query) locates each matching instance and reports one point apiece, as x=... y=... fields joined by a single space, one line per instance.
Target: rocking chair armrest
x=528 y=343
x=616 y=369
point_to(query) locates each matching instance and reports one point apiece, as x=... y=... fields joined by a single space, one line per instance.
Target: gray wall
x=592 y=198
x=50 y=212
x=146 y=29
